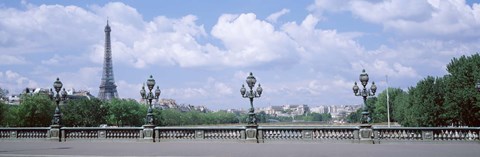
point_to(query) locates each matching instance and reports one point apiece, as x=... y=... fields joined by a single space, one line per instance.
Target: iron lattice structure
x=108 y=89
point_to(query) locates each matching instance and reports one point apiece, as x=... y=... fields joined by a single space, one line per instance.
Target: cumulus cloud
x=249 y=41
x=11 y=60
x=46 y=28
x=15 y=82
x=418 y=18
x=274 y=17
x=304 y=61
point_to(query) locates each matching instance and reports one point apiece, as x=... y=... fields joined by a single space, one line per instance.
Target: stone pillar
x=13 y=134
x=54 y=133
x=260 y=136
x=307 y=134
x=157 y=135
x=148 y=133
x=366 y=133
x=427 y=135
x=199 y=134
x=102 y=134
x=251 y=133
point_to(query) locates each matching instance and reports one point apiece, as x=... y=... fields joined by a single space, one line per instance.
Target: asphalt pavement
x=197 y=149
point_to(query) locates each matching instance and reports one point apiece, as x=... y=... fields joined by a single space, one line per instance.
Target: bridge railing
x=426 y=134
x=26 y=133
x=262 y=134
x=227 y=133
x=97 y=133
x=311 y=133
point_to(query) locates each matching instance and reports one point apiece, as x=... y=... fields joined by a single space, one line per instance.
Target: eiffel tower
x=108 y=89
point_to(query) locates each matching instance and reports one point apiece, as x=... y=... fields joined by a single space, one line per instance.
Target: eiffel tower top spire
x=108 y=89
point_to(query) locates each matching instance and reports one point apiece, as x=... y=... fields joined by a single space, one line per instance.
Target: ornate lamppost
x=364 y=93
x=149 y=97
x=252 y=119
x=365 y=131
x=57 y=97
x=57 y=116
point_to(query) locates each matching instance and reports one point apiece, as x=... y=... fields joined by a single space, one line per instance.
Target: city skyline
x=308 y=52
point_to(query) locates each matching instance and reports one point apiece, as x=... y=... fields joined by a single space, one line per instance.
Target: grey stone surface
x=16 y=148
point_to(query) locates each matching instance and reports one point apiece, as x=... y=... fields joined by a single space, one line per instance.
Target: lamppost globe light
x=355 y=88
x=157 y=92
x=64 y=94
x=57 y=85
x=142 y=92
x=150 y=83
x=373 y=88
x=50 y=93
x=259 y=90
x=243 y=90
x=251 y=80
x=364 y=78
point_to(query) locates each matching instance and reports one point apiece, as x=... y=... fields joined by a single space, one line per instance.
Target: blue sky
x=200 y=52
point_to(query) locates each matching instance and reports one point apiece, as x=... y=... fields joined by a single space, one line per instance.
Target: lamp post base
x=54 y=133
x=366 y=133
x=148 y=132
x=251 y=132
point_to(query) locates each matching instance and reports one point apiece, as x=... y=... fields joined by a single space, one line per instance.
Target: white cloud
x=15 y=82
x=46 y=28
x=274 y=17
x=321 y=6
x=322 y=47
x=392 y=10
x=11 y=60
x=412 y=18
x=301 y=62
x=249 y=41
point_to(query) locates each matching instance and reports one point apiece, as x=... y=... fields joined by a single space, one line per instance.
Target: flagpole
x=388 y=103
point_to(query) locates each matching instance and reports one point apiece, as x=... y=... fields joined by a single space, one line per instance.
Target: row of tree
x=37 y=110
x=451 y=100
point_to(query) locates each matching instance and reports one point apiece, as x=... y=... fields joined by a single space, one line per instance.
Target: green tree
x=401 y=108
x=123 y=112
x=426 y=101
x=380 y=110
x=355 y=117
x=313 y=117
x=35 y=110
x=11 y=117
x=3 y=106
x=462 y=99
x=84 y=112
x=3 y=113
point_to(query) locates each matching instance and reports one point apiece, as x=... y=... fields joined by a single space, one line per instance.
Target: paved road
x=97 y=149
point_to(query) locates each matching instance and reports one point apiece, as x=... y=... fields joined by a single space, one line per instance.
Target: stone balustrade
x=260 y=134
x=199 y=133
x=96 y=133
x=385 y=134
x=312 y=133
x=33 y=133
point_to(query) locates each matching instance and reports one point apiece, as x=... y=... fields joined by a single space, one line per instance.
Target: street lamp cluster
x=251 y=94
x=148 y=97
x=364 y=93
x=58 y=96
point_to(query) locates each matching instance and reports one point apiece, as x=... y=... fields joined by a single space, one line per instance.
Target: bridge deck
x=41 y=149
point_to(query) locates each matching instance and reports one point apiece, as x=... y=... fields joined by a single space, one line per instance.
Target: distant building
x=273 y=110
